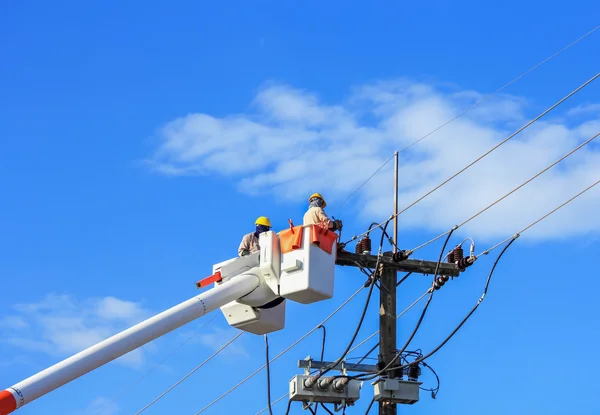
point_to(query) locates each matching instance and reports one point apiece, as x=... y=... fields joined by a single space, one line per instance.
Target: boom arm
x=95 y=356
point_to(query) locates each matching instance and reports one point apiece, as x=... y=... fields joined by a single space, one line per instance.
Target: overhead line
x=464 y=112
x=483 y=155
x=282 y=353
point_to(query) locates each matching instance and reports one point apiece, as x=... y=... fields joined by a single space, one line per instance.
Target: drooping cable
x=418 y=325
x=363 y=314
x=268 y=374
x=326 y=409
x=370 y=406
x=125 y=390
x=570 y=94
x=487 y=284
x=467 y=110
x=397 y=317
x=362 y=342
x=189 y=374
x=304 y=336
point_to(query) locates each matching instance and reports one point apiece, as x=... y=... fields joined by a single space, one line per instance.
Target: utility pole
x=387 y=305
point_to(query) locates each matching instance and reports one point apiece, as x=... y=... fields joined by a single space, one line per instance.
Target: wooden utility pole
x=387 y=305
x=387 y=327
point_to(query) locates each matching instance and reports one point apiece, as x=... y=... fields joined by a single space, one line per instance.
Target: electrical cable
x=312 y=411
x=190 y=373
x=273 y=404
x=320 y=326
x=464 y=112
x=487 y=283
x=268 y=374
x=403 y=279
x=304 y=336
x=499 y=90
x=326 y=408
x=570 y=94
x=516 y=188
x=364 y=312
x=370 y=406
x=436 y=390
x=391 y=362
x=487 y=251
x=361 y=343
x=397 y=317
x=364 y=183
x=157 y=365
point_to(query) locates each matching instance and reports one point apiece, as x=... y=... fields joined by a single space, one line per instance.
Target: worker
x=249 y=242
x=316 y=215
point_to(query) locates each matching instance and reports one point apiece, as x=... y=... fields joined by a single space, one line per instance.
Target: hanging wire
x=282 y=353
x=361 y=343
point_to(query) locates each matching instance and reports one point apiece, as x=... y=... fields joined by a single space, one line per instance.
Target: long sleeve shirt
x=316 y=215
x=249 y=243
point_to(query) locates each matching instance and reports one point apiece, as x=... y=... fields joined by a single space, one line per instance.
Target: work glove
x=245 y=252
x=338 y=224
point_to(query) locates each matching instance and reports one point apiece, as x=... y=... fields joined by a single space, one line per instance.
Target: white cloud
x=59 y=325
x=293 y=144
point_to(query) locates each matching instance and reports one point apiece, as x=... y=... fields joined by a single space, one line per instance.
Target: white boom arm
x=95 y=356
x=296 y=264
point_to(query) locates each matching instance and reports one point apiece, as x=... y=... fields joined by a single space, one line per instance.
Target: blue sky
x=140 y=142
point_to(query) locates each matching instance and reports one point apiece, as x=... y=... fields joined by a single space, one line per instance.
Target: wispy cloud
x=293 y=143
x=59 y=325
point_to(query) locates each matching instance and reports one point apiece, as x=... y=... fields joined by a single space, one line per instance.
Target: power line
x=485 y=154
x=487 y=251
x=158 y=364
x=282 y=353
x=502 y=88
x=189 y=374
x=513 y=190
x=470 y=108
x=365 y=182
x=361 y=343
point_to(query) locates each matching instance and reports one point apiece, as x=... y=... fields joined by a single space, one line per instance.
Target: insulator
x=458 y=253
x=464 y=263
x=439 y=283
x=400 y=256
x=444 y=278
x=413 y=372
x=366 y=247
x=451 y=257
x=359 y=248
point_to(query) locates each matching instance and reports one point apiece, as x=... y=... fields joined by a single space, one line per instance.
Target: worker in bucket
x=249 y=242
x=316 y=215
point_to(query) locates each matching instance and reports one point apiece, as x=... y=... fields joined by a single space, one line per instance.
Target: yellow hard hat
x=263 y=220
x=319 y=196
